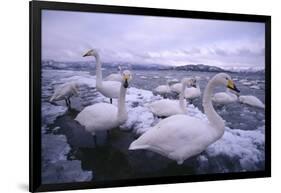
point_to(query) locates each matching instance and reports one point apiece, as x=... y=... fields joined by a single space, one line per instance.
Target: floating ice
x=245 y=146
x=55 y=166
x=54 y=148
x=51 y=112
x=255 y=87
x=65 y=172
x=143 y=77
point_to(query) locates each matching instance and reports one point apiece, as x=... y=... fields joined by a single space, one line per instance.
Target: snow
x=138 y=96
x=246 y=83
x=244 y=146
x=139 y=116
x=168 y=77
x=143 y=77
x=175 y=80
x=140 y=119
x=255 y=87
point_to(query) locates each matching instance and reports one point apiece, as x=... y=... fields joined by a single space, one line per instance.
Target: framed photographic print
x=123 y=96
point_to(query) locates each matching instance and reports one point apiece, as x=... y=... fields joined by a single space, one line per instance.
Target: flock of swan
x=178 y=136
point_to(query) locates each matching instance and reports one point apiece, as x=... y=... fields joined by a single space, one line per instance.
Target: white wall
x=14 y=94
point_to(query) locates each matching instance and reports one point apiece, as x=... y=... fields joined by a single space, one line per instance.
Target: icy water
x=70 y=154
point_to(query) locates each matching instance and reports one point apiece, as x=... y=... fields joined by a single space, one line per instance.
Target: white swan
x=163 y=89
x=104 y=116
x=252 y=101
x=176 y=87
x=65 y=92
x=109 y=89
x=224 y=98
x=167 y=107
x=193 y=92
x=115 y=76
x=180 y=136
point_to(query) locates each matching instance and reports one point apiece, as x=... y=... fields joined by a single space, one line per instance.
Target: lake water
x=70 y=154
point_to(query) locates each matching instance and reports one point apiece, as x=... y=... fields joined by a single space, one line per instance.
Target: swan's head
x=225 y=79
x=91 y=52
x=126 y=78
x=189 y=82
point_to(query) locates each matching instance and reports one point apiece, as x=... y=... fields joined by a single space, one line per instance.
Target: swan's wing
x=255 y=100
x=177 y=137
x=165 y=107
x=220 y=97
x=162 y=89
x=61 y=92
x=252 y=100
x=113 y=77
x=176 y=87
x=101 y=116
x=110 y=89
x=224 y=98
x=192 y=92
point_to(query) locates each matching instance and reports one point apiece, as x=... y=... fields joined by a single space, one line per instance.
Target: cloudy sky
x=143 y=39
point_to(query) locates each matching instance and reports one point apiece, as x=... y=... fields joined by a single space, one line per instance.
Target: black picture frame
x=35 y=8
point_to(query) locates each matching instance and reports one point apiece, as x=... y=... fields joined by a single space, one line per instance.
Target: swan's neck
x=182 y=102
x=98 y=71
x=122 y=112
x=215 y=120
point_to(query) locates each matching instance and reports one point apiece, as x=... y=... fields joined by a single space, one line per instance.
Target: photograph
x=126 y=96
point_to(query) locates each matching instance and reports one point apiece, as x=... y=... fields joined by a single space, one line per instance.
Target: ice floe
x=55 y=166
x=244 y=147
x=51 y=112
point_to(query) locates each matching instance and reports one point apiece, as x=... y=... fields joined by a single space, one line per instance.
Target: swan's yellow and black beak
x=88 y=53
x=232 y=86
x=126 y=81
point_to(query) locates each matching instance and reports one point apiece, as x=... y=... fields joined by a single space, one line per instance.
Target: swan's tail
x=136 y=146
x=142 y=142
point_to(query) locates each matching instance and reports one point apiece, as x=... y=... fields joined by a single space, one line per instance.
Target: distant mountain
x=248 y=70
x=51 y=64
x=200 y=67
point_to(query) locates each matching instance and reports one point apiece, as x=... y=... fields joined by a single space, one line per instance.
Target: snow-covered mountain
x=51 y=64
x=247 y=69
x=200 y=67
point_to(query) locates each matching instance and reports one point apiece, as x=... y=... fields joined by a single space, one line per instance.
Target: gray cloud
x=145 y=39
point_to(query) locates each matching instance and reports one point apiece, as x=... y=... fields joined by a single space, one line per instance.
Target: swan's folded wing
x=165 y=107
x=101 y=116
x=110 y=89
x=113 y=77
x=179 y=133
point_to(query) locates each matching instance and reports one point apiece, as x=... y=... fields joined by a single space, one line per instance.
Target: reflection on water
x=109 y=158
